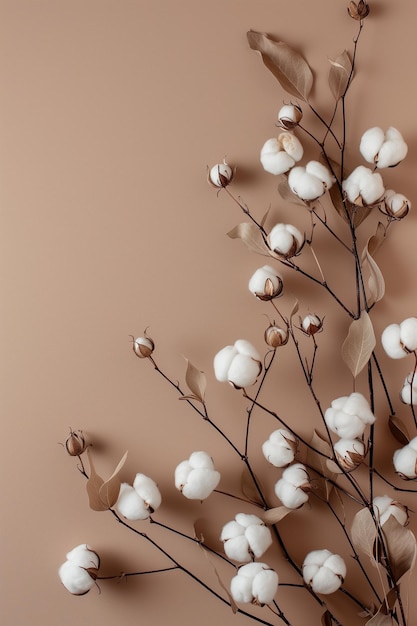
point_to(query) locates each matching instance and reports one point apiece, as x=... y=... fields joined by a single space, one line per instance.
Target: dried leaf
x=340 y=72
x=233 y=605
x=326 y=619
x=287 y=194
x=263 y=220
x=377 y=240
x=196 y=381
x=294 y=309
x=322 y=487
x=376 y=280
x=94 y=484
x=380 y=619
x=249 y=489
x=363 y=533
x=359 y=344
x=399 y=430
x=251 y=237
x=288 y=66
x=401 y=547
x=109 y=490
x=273 y=516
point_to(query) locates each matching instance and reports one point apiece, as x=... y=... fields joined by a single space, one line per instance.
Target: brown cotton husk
x=401 y=547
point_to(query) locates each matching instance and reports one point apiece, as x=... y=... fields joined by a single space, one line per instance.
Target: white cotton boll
x=291 y=145
x=130 y=505
x=265 y=585
x=393 y=150
x=396 y=204
x=220 y=175
x=75 y=579
x=293 y=487
x=274 y=159
x=320 y=171
x=323 y=571
x=384 y=507
x=405 y=460
x=409 y=391
x=240 y=364
x=363 y=187
x=259 y=538
x=243 y=371
x=289 y=116
x=241 y=588
x=349 y=453
x=286 y=240
x=222 y=362
x=266 y=283
x=254 y=582
x=371 y=143
x=196 y=478
x=348 y=416
x=83 y=556
x=244 y=537
x=280 y=448
x=148 y=490
x=305 y=185
x=408 y=333
x=391 y=342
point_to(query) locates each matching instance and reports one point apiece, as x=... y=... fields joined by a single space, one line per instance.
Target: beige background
x=110 y=113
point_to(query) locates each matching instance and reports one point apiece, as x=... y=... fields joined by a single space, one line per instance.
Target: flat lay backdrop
x=110 y=113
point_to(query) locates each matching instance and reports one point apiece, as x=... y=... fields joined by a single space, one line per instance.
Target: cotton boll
x=241 y=588
x=291 y=145
x=196 y=478
x=220 y=175
x=147 y=489
x=349 y=453
x=363 y=187
x=393 y=150
x=323 y=571
x=371 y=143
x=396 y=205
x=222 y=362
x=130 y=505
x=398 y=340
x=408 y=334
x=289 y=116
x=408 y=393
x=293 y=487
x=264 y=587
x=304 y=185
x=254 y=582
x=405 y=460
x=274 y=160
x=84 y=556
x=244 y=537
x=348 y=416
x=266 y=283
x=243 y=371
x=320 y=171
x=280 y=448
x=384 y=507
x=286 y=240
x=239 y=364
x=75 y=578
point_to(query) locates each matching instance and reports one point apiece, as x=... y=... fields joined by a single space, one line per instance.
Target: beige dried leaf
x=249 y=489
x=273 y=516
x=265 y=217
x=376 y=280
x=359 y=344
x=196 y=382
x=94 y=483
x=399 y=430
x=288 y=66
x=378 y=239
x=251 y=237
x=287 y=194
x=380 y=619
x=322 y=487
x=401 y=547
x=363 y=533
x=109 y=490
x=340 y=72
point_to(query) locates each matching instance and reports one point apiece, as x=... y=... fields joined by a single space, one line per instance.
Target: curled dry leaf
x=378 y=239
x=401 y=547
x=251 y=237
x=273 y=516
x=383 y=616
x=196 y=382
x=322 y=486
x=340 y=74
x=399 y=430
x=376 y=283
x=359 y=344
x=288 y=66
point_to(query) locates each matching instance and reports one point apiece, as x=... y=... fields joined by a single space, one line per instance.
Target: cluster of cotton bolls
x=398 y=341
x=79 y=572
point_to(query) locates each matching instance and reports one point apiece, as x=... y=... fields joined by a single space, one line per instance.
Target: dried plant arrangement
x=333 y=471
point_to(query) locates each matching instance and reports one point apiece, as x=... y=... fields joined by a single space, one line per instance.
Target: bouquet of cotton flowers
x=329 y=466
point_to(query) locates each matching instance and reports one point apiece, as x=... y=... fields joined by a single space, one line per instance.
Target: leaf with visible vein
x=359 y=344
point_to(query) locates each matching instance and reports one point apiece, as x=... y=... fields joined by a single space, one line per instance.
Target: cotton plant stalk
x=335 y=462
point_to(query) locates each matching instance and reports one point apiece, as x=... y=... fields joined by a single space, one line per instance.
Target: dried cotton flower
x=240 y=364
x=266 y=283
x=323 y=571
x=396 y=205
x=349 y=453
x=245 y=537
x=256 y=583
x=220 y=175
x=289 y=116
x=79 y=572
x=286 y=240
x=196 y=478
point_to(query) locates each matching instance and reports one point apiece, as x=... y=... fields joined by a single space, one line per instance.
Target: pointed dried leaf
x=376 y=280
x=363 y=533
x=273 y=516
x=294 y=309
x=326 y=619
x=401 y=547
x=249 y=489
x=322 y=487
x=93 y=486
x=378 y=239
x=109 y=490
x=340 y=71
x=251 y=237
x=399 y=430
x=196 y=381
x=359 y=344
x=288 y=66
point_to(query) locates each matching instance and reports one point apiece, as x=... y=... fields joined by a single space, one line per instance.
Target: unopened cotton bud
x=278 y=155
x=276 y=336
x=349 y=453
x=348 y=416
x=266 y=283
x=408 y=392
x=323 y=571
x=398 y=340
x=383 y=149
x=294 y=486
x=286 y=240
x=384 y=507
x=240 y=364
x=245 y=537
x=75 y=443
x=363 y=187
x=396 y=205
x=79 y=572
x=358 y=11
x=280 y=448
x=220 y=175
x=196 y=477
x=143 y=347
x=312 y=324
x=289 y=116
x=310 y=182
x=405 y=460
x=254 y=583
x=140 y=500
